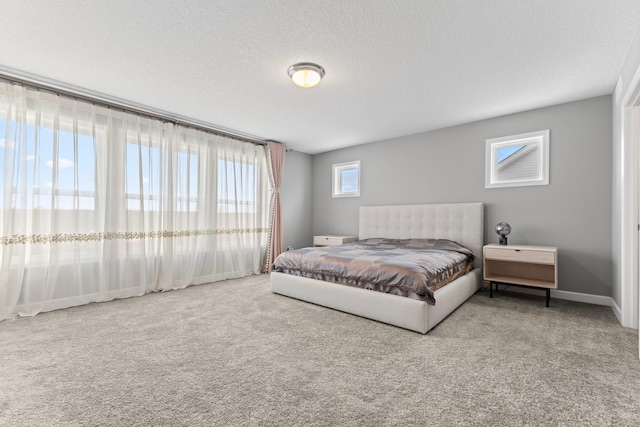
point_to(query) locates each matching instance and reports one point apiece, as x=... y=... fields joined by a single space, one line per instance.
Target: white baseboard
x=572 y=296
x=567 y=295
x=616 y=310
x=580 y=297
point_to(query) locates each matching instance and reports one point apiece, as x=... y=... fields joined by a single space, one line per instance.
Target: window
x=346 y=179
x=517 y=160
x=146 y=175
x=117 y=204
x=237 y=187
x=49 y=170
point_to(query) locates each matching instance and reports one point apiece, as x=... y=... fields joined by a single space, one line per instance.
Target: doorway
x=631 y=133
x=627 y=202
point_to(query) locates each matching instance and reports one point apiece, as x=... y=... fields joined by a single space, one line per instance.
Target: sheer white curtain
x=98 y=204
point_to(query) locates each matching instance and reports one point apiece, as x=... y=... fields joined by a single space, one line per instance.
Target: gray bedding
x=413 y=268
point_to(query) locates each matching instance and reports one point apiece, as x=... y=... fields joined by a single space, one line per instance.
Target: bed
x=459 y=222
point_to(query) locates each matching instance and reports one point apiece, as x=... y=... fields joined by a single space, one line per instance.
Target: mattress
x=413 y=268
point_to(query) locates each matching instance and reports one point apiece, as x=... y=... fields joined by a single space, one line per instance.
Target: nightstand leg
x=548 y=296
x=490 y=289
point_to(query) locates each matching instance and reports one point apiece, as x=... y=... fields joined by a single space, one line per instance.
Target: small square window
x=346 y=179
x=517 y=160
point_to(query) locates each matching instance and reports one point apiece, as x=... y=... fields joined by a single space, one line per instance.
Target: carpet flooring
x=233 y=354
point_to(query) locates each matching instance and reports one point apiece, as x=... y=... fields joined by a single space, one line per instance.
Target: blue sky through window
x=504 y=152
x=145 y=178
x=34 y=154
x=349 y=180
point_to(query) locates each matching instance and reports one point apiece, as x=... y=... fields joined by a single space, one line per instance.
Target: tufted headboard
x=461 y=222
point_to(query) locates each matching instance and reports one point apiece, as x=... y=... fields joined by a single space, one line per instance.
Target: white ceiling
x=392 y=67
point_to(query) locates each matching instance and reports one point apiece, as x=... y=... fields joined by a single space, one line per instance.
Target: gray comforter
x=414 y=268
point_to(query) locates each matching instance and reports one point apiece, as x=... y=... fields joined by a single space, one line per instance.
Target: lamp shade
x=306 y=74
x=503 y=229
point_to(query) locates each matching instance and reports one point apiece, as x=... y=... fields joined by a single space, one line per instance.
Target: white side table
x=332 y=240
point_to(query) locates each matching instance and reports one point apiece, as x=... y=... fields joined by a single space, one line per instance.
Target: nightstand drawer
x=332 y=240
x=520 y=255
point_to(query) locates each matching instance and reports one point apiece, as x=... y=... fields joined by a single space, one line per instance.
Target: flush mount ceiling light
x=306 y=74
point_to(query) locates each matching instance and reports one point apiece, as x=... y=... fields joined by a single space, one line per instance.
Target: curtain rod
x=59 y=88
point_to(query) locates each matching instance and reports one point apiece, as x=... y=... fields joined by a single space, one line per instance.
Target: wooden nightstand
x=332 y=240
x=521 y=265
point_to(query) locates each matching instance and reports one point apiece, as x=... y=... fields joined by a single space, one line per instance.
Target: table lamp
x=503 y=229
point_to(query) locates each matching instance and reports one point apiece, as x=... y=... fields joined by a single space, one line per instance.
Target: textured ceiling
x=392 y=67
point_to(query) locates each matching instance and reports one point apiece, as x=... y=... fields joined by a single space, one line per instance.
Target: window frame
x=243 y=163
x=538 y=138
x=149 y=197
x=57 y=193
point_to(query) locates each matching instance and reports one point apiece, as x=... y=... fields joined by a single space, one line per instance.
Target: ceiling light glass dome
x=306 y=74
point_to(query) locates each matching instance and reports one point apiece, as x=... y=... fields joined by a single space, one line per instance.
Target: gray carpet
x=232 y=353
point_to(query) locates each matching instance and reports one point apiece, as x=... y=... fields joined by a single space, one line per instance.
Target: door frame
x=630 y=227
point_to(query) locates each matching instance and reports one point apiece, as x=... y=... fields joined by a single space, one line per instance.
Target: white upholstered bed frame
x=461 y=222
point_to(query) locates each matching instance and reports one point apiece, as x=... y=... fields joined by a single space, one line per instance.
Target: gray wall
x=296 y=201
x=573 y=212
